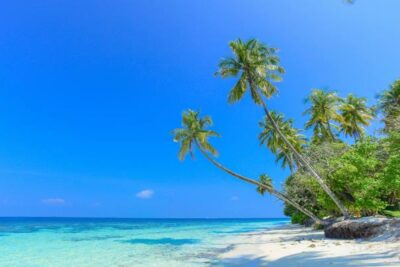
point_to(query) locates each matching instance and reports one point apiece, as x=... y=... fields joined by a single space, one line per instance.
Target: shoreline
x=298 y=246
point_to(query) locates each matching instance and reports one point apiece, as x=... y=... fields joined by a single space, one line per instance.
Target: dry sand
x=298 y=246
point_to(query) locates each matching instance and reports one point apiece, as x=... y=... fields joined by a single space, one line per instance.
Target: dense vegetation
x=364 y=175
x=329 y=176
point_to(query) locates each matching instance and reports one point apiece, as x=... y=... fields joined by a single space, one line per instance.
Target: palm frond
x=322 y=111
x=238 y=90
x=194 y=131
x=265 y=180
x=258 y=67
x=276 y=144
x=354 y=116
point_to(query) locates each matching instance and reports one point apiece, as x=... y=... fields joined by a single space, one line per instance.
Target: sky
x=90 y=91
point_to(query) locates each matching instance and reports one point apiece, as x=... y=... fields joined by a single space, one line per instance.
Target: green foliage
x=354 y=115
x=295 y=216
x=392 y=213
x=302 y=188
x=325 y=107
x=390 y=173
x=275 y=143
x=357 y=178
x=266 y=180
x=365 y=176
x=389 y=104
x=322 y=110
x=194 y=131
x=255 y=65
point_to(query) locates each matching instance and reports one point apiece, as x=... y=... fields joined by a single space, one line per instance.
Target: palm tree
x=354 y=114
x=257 y=67
x=195 y=133
x=275 y=143
x=322 y=110
x=266 y=180
x=389 y=104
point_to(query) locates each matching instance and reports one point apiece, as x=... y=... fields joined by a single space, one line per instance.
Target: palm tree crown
x=265 y=180
x=322 y=110
x=275 y=142
x=256 y=65
x=194 y=131
x=389 y=103
x=354 y=114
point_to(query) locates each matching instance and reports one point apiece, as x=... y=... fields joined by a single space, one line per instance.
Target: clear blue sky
x=90 y=90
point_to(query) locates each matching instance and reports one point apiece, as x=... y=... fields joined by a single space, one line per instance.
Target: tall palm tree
x=354 y=115
x=257 y=67
x=322 y=111
x=389 y=104
x=195 y=133
x=275 y=143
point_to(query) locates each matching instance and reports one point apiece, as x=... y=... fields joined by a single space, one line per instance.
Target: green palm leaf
x=322 y=111
x=354 y=115
x=389 y=104
x=257 y=67
x=266 y=180
x=194 y=130
x=275 y=143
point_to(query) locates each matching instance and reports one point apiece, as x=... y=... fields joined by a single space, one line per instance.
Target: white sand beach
x=298 y=246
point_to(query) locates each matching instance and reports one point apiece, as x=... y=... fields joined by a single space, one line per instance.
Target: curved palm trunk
x=271 y=190
x=331 y=132
x=305 y=163
x=301 y=158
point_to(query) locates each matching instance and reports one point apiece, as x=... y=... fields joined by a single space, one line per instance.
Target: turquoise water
x=28 y=242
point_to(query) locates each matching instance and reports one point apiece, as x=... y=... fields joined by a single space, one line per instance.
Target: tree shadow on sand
x=311 y=259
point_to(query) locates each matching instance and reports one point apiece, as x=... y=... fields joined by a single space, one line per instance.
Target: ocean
x=84 y=242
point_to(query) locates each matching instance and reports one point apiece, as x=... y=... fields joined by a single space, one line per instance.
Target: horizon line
x=141 y=218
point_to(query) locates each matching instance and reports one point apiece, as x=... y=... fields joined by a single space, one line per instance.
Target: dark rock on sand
x=379 y=228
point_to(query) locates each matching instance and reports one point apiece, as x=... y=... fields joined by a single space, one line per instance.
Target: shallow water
x=34 y=242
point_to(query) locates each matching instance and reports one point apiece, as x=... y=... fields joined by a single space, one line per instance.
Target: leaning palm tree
x=195 y=134
x=275 y=143
x=389 y=104
x=257 y=67
x=354 y=115
x=322 y=111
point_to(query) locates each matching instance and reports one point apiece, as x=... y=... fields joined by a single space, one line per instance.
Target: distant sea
x=81 y=242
